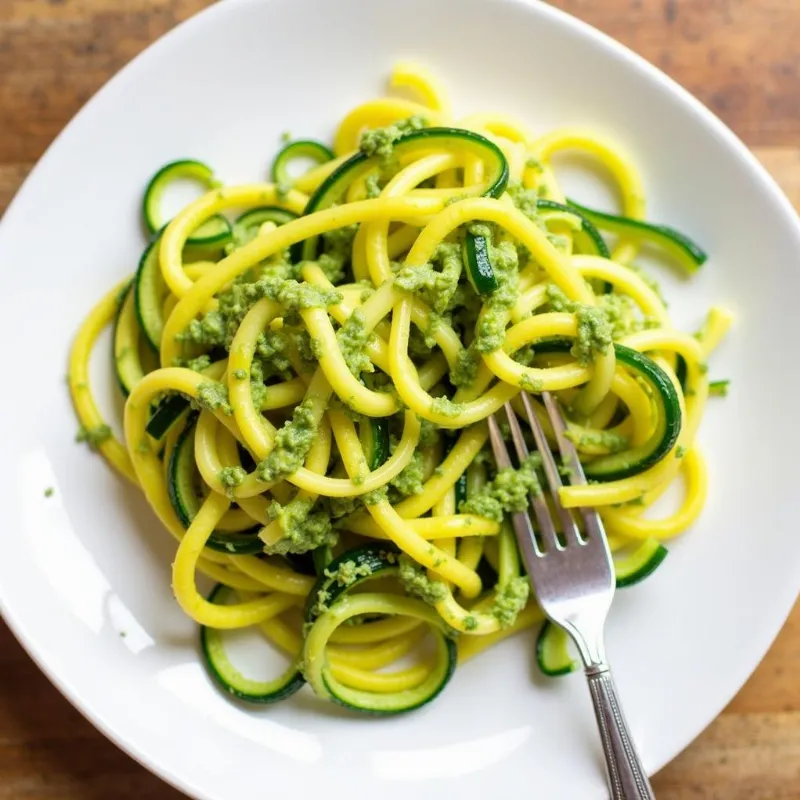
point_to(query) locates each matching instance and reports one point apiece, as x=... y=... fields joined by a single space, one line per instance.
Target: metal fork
x=573 y=580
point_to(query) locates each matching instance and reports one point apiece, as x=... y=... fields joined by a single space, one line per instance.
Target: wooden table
x=739 y=56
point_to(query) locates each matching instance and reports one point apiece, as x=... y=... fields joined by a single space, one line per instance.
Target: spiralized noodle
x=330 y=360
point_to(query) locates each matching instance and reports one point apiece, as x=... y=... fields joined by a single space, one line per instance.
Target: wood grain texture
x=739 y=56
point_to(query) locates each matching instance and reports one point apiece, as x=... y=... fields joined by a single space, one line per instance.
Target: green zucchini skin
x=478 y=262
x=623 y=465
x=381 y=559
x=229 y=679
x=166 y=415
x=181 y=474
x=687 y=252
x=641 y=564
x=380 y=443
x=451 y=654
x=215 y=231
x=128 y=368
x=301 y=148
x=149 y=290
x=245 y=229
x=552 y=654
x=334 y=186
x=592 y=241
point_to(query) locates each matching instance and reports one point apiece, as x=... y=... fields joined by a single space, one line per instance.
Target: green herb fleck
x=94 y=437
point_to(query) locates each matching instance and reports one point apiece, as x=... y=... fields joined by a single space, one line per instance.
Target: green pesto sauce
x=231 y=477
x=344 y=506
x=94 y=437
x=340 y=240
x=490 y=333
x=410 y=479
x=530 y=384
x=469 y=359
x=525 y=200
x=622 y=314
x=240 y=374
x=428 y=433
x=305 y=528
x=609 y=440
x=594 y=330
x=507 y=492
x=375 y=496
x=470 y=623
x=510 y=600
x=525 y=355
x=332 y=267
x=446 y=407
x=372 y=185
x=419 y=343
x=319 y=608
x=292 y=443
x=272 y=354
x=417 y=583
x=380 y=142
x=49 y=491
x=534 y=163
x=218 y=328
x=213 y=396
x=437 y=281
x=367 y=290
x=558 y=240
x=349 y=572
x=338 y=248
x=296 y=295
x=352 y=337
x=197 y=364
x=308 y=348
x=636 y=501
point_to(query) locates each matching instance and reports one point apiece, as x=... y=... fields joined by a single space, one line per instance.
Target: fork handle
x=626 y=776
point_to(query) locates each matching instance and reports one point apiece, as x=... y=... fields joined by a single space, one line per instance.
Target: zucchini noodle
x=308 y=366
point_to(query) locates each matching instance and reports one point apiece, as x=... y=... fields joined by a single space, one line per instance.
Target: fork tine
x=523 y=528
x=593 y=525
x=501 y=456
x=569 y=455
x=542 y=513
x=568 y=526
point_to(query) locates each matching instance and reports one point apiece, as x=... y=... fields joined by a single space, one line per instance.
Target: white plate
x=82 y=567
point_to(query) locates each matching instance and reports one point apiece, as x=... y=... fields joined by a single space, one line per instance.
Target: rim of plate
x=785 y=597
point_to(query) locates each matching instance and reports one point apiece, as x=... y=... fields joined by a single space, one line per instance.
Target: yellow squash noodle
x=307 y=389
